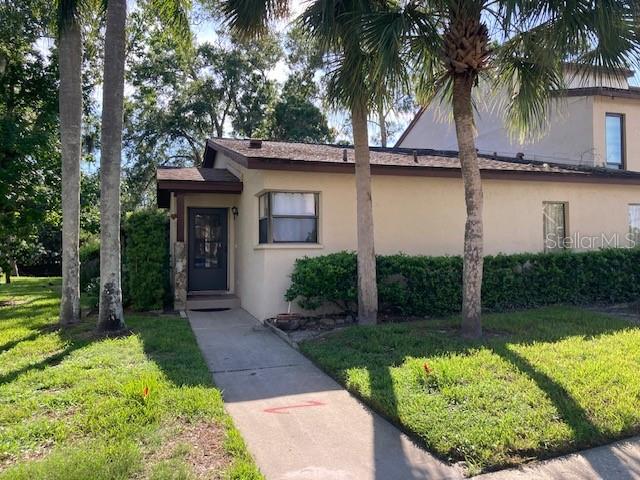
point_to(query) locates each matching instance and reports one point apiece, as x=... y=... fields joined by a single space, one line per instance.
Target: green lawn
x=74 y=405
x=541 y=383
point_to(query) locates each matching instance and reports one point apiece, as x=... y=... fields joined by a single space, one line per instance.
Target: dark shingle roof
x=322 y=157
x=306 y=152
x=195 y=175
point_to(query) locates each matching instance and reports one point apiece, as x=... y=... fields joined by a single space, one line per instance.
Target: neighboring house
x=240 y=221
x=592 y=123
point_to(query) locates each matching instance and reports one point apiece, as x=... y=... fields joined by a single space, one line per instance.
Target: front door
x=207 y=249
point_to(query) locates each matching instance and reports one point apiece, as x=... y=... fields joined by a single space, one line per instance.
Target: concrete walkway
x=618 y=461
x=297 y=422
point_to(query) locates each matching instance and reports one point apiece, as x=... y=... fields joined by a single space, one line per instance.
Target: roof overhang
x=600 y=176
x=166 y=187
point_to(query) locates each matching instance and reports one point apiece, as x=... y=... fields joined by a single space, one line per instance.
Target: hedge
x=145 y=261
x=430 y=286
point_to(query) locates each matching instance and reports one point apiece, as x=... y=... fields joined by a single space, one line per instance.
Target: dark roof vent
x=344 y=154
x=255 y=143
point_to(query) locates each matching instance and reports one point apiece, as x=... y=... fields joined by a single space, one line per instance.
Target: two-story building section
x=593 y=123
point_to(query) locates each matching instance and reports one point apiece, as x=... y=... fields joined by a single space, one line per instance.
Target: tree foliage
x=29 y=149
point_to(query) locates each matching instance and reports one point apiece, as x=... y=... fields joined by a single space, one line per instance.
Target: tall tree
x=336 y=27
x=517 y=46
x=174 y=13
x=295 y=117
x=178 y=99
x=29 y=159
x=111 y=316
x=70 y=59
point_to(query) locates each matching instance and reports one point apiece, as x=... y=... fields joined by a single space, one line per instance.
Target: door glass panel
x=207 y=241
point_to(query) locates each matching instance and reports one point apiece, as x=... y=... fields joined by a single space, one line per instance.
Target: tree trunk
x=367 y=287
x=110 y=315
x=383 y=125
x=7 y=277
x=473 y=235
x=71 y=139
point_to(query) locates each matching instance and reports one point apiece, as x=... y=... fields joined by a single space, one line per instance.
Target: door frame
x=228 y=251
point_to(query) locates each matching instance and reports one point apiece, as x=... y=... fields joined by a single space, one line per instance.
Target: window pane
x=263 y=227
x=263 y=205
x=293 y=204
x=554 y=226
x=614 y=140
x=634 y=225
x=294 y=230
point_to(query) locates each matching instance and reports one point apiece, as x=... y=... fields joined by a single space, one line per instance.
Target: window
x=614 y=138
x=286 y=217
x=634 y=225
x=555 y=226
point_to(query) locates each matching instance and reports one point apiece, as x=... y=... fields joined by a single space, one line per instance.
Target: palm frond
x=528 y=73
x=250 y=18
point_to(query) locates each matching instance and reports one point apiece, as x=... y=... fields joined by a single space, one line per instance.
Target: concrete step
x=206 y=302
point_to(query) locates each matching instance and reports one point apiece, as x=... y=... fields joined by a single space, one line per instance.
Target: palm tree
x=450 y=50
x=174 y=13
x=70 y=59
x=336 y=27
x=110 y=316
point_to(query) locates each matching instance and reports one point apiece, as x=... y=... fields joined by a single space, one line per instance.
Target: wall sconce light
x=234 y=210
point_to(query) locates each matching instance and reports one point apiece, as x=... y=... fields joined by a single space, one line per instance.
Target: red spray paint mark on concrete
x=310 y=403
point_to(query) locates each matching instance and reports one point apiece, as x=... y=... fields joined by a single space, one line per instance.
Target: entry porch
x=203 y=209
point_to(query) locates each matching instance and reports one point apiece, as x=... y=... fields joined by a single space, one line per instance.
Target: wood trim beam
x=200 y=186
x=180 y=217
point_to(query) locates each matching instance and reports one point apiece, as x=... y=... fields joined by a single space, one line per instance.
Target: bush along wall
x=145 y=259
x=145 y=262
x=431 y=286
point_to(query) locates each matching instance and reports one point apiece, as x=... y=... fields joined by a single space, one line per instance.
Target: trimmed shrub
x=427 y=286
x=145 y=262
x=89 y=263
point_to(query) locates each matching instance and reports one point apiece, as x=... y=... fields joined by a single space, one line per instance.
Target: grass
x=75 y=405
x=539 y=384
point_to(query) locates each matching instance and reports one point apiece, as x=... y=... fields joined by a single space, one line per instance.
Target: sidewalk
x=297 y=422
x=618 y=461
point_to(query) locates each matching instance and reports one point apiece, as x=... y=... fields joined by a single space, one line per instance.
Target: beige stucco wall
x=568 y=137
x=630 y=108
x=415 y=215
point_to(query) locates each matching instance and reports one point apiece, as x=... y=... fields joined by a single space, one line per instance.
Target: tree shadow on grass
x=170 y=343
x=378 y=353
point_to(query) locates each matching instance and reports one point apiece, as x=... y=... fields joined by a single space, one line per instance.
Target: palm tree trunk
x=383 y=125
x=70 y=48
x=111 y=316
x=367 y=287
x=473 y=235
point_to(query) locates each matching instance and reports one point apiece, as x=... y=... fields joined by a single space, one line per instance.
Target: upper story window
x=554 y=218
x=614 y=138
x=288 y=217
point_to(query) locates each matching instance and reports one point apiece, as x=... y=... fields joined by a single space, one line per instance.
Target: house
x=240 y=221
x=591 y=123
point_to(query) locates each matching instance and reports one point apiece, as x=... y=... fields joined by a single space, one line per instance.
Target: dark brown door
x=207 y=249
